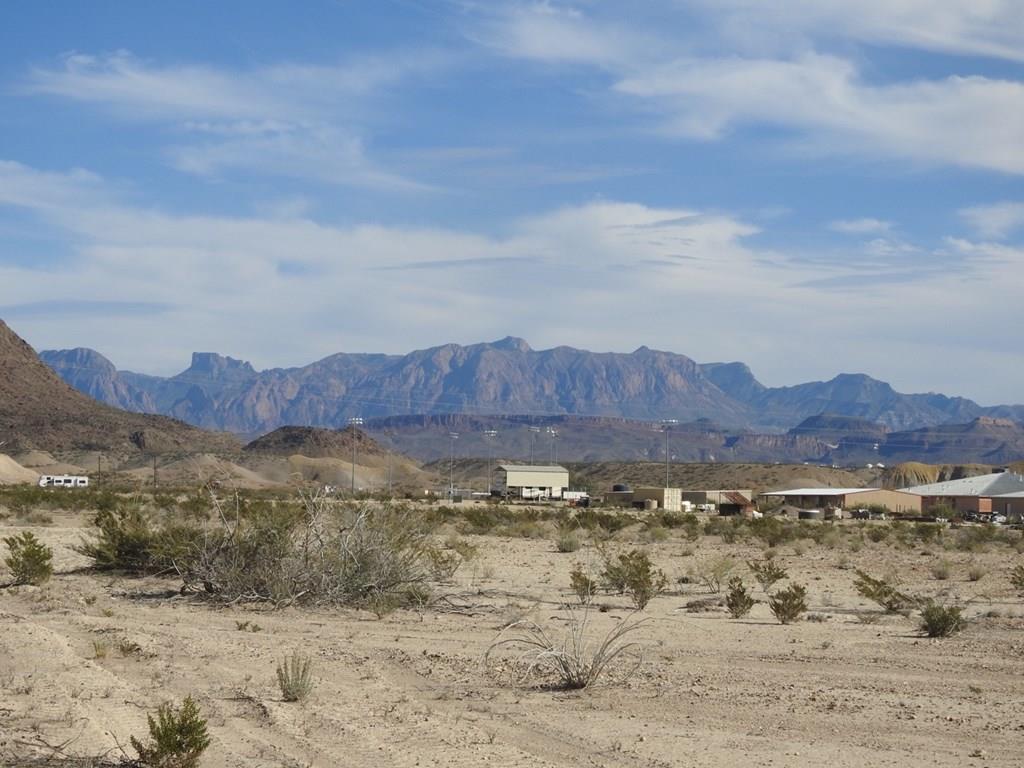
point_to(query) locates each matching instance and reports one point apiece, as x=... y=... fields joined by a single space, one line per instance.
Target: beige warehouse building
x=527 y=481
x=847 y=498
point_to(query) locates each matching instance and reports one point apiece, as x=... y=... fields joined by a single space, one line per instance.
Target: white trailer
x=63 y=481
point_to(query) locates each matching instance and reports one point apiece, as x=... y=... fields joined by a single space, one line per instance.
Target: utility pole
x=533 y=440
x=99 y=467
x=155 y=483
x=489 y=435
x=452 y=437
x=666 y=427
x=390 y=454
x=553 y=433
x=354 y=422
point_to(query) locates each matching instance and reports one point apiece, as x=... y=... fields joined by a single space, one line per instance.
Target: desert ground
x=85 y=657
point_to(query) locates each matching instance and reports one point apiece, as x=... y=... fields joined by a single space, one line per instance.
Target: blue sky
x=816 y=188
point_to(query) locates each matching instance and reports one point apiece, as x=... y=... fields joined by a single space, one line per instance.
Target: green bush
x=882 y=592
x=738 y=600
x=942 y=570
x=295 y=677
x=767 y=573
x=787 y=605
x=1017 y=578
x=712 y=574
x=127 y=539
x=567 y=541
x=581 y=583
x=30 y=561
x=941 y=621
x=634 y=574
x=178 y=737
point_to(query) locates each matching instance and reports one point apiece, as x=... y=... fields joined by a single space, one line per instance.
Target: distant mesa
x=315 y=443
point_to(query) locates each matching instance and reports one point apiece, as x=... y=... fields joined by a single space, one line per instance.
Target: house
x=847 y=498
x=527 y=481
x=980 y=495
x=714 y=498
x=735 y=503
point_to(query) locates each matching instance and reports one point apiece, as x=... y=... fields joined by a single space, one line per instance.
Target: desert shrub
x=592 y=519
x=738 y=599
x=443 y=564
x=177 y=737
x=713 y=573
x=788 y=604
x=773 y=531
x=976 y=572
x=128 y=539
x=295 y=677
x=573 y=662
x=581 y=583
x=567 y=541
x=940 y=620
x=1017 y=578
x=878 y=533
x=942 y=570
x=767 y=573
x=634 y=574
x=350 y=554
x=657 y=533
x=30 y=561
x=881 y=592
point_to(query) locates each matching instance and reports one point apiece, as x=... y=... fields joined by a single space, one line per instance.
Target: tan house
x=847 y=498
x=982 y=494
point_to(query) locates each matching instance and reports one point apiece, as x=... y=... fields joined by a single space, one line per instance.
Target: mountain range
x=501 y=378
x=38 y=410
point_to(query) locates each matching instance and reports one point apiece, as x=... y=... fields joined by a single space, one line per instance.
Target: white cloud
x=997 y=220
x=283 y=120
x=974 y=27
x=866 y=226
x=972 y=121
x=784 y=80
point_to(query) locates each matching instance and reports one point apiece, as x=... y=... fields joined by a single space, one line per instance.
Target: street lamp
x=553 y=433
x=666 y=427
x=533 y=440
x=489 y=435
x=452 y=437
x=354 y=422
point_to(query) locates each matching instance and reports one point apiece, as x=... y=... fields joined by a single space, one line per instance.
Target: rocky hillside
x=505 y=377
x=315 y=443
x=40 y=411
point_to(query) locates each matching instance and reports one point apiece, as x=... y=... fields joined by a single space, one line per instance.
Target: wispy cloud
x=823 y=99
x=283 y=120
x=996 y=220
x=866 y=226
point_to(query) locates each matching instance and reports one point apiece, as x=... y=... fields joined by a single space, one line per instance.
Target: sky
x=809 y=186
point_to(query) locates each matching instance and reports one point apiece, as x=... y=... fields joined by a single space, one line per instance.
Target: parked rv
x=63 y=481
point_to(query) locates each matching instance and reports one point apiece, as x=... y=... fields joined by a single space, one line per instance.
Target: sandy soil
x=411 y=690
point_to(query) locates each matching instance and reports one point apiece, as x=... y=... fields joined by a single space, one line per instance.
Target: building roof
x=1017 y=495
x=532 y=468
x=819 y=491
x=737 y=498
x=995 y=484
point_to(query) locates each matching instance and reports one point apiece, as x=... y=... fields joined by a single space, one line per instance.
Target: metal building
x=526 y=481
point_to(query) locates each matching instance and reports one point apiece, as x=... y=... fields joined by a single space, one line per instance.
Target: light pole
x=489 y=435
x=452 y=437
x=533 y=440
x=553 y=433
x=666 y=427
x=354 y=422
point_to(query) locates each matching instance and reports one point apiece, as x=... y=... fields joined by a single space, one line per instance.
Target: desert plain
x=85 y=657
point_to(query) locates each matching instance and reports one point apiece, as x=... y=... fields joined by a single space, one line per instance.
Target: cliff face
x=851 y=418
